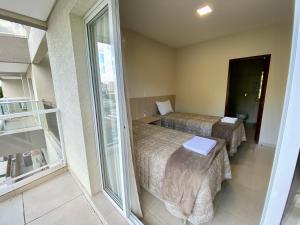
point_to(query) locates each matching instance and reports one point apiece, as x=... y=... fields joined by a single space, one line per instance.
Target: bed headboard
x=147 y=104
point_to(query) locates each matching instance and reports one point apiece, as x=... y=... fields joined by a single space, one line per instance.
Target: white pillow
x=164 y=107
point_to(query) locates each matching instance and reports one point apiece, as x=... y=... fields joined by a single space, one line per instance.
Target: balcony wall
x=42 y=81
x=37 y=44
x=66 y=48
x=12 y=88
x=14 y=49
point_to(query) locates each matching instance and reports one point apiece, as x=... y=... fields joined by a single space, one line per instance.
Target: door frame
x=266 y=57
x=288 y=143
x=92 y=15
x=124 y=134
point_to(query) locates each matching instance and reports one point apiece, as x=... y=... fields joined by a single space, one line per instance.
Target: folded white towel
x=200 y=145
x=229 y=119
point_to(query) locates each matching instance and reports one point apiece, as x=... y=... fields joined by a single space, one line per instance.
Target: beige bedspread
x=153 y=146
x=203 y=125
x=190 y=122
x=184 y=174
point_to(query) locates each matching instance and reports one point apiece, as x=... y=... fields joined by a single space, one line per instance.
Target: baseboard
x=269 y=145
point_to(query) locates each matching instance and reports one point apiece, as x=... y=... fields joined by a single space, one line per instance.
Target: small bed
x=207 y=126
x=154 y=145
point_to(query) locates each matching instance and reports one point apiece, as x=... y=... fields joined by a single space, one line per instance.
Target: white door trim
x=288 y=143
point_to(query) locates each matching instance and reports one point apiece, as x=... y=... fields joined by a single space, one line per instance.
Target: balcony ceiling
x=14 y=49
x=176 y=23
x=37 y=9
x=13 y=68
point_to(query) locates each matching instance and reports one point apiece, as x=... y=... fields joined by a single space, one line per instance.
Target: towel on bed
x=184 y=174
x=225 y=131
x=229 y=120
x=200 y=145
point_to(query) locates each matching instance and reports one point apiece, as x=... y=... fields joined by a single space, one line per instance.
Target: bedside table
x=154 y=120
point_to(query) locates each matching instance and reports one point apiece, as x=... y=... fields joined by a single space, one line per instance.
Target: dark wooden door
x=242 y=72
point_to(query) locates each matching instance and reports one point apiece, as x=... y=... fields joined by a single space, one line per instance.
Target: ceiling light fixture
x=204 y=10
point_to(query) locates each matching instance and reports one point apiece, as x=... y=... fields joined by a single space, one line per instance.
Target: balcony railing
x=30 y=142
x=18 y=106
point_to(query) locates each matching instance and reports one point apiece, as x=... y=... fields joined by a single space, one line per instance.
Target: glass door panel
x=106 y=103
x=111 y=118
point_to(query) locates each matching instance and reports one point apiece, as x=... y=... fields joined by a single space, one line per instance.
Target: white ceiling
x=176 y=23
x=38 y=9
x=10 y=77
x=13 y=68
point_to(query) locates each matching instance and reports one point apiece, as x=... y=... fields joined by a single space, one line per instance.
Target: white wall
x=85 y=99
x=42 y=81
x=12 y=88
x=202 y=71
x=65 y=42
x=30 y=90
x=25 y=84
x=149 y=66
x=35 y=40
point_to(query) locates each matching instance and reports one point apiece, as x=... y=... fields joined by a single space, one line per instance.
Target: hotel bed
x=154 y=145
x=203 y=125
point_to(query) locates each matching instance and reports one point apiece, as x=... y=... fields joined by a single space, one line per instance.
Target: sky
x=7 y=27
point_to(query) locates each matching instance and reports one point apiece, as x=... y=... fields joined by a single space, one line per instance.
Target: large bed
x=154 y=145
x=204 y=125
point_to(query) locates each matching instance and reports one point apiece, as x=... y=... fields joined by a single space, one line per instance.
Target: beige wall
x=150 y=66
x=42 y=81
x=202 y=71
x=198 y=74
x=12 y=88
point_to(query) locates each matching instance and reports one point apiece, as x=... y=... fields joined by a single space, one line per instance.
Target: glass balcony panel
x=8 y=107
x=27 y=148
x=15 y=124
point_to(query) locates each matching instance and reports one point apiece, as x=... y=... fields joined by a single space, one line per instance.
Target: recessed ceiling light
x=204 y=10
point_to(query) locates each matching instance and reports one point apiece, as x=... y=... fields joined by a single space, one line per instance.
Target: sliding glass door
x=105 y=58
x=107 y=105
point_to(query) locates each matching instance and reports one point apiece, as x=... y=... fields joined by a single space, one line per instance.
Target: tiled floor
x=58 y=201
x=292 y=208
x=241 y=199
